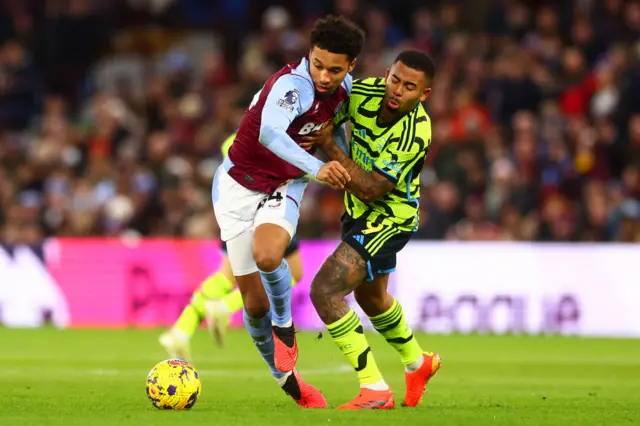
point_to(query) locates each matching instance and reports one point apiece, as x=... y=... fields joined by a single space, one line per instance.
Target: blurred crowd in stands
x=112 y=112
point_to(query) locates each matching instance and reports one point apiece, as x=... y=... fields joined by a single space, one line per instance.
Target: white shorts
x=239 y=209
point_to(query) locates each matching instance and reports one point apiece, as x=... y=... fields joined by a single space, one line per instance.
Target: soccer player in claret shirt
x=258 y=189
x=216 y=298
x=391 y=134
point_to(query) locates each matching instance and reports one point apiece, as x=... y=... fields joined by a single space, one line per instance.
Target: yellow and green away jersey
x=396 y=151
x=226 y=145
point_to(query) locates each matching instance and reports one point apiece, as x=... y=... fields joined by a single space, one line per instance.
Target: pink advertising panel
x=444 y=287
x=115 y=283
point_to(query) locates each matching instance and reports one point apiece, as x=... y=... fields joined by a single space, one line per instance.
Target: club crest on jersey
x=289 y=100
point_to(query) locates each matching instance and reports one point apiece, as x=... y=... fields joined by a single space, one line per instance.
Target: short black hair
x=337 y=34
x=418 y=61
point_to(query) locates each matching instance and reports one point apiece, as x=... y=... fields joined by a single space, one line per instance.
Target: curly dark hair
x=337 y=34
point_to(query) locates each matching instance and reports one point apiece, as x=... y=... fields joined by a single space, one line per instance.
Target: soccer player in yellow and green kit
x=216 y=299
x=390 y=137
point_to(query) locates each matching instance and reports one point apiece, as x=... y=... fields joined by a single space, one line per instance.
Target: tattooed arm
x=339 y=275
x=367 y=186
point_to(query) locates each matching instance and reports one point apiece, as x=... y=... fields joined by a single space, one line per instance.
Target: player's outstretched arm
x=289 y=97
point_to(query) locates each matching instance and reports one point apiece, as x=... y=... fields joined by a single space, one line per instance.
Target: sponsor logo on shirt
x=289 y=100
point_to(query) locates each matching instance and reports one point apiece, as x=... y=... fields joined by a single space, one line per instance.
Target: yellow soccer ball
x=173 y=384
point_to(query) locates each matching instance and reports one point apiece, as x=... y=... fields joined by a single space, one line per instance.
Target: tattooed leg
x=339 y=275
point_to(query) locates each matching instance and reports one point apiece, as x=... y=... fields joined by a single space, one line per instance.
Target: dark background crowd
x=112 y=112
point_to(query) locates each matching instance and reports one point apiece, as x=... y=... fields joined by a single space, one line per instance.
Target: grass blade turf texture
x=89 y=377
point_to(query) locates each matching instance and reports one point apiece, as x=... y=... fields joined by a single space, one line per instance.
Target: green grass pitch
x=91 y=378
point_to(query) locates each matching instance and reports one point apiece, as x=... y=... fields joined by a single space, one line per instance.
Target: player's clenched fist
x=334 y=175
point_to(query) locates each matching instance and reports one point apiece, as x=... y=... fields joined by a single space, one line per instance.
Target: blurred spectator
x=112 y=113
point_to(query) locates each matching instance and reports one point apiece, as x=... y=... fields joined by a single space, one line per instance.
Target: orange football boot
x=303 y=393
x=417 y=381
x=285 y=353
x=370 y=399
